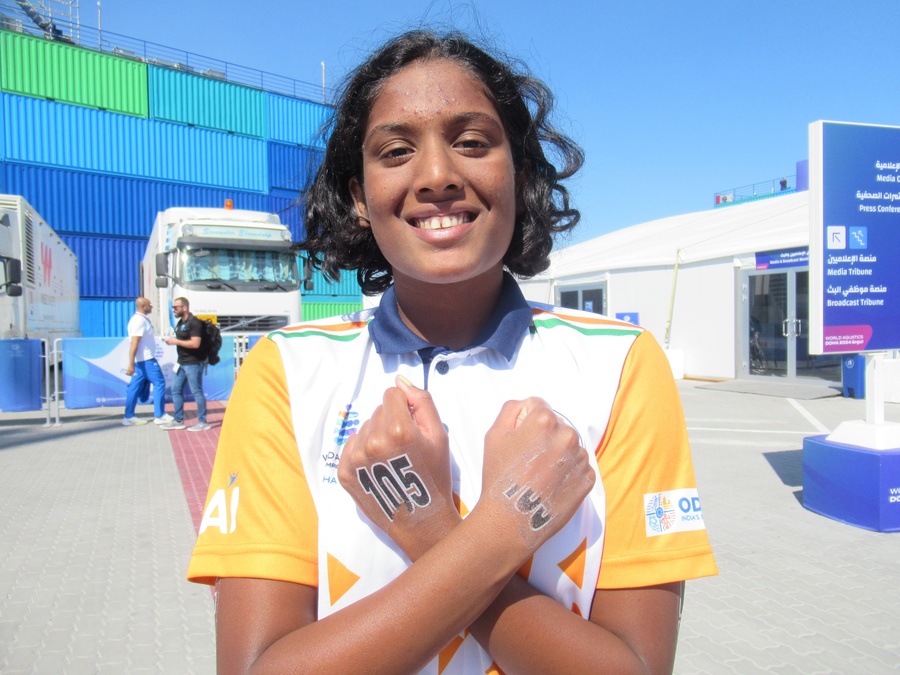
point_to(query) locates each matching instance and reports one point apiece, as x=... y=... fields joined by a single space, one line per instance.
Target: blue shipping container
x=291 y=167
x=73 y=137
x=205 y=102
x=80 y=202
x=108 y=268
x=292 y=120
x=287 y=204
x=106 y=318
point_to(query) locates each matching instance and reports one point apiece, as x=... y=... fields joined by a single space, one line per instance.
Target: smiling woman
x=457 y=481
x=542 y=207
x=438 y=184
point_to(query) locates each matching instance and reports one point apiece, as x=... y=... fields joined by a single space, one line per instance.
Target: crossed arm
x=464 y=571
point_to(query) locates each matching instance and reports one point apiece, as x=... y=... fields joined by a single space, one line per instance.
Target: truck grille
x=251 y=324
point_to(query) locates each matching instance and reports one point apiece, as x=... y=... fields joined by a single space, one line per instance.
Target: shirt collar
x=510 y=320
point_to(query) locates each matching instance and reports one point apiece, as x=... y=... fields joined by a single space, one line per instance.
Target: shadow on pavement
x=788 y=464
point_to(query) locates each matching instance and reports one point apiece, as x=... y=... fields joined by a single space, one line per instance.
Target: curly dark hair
x=334 y=239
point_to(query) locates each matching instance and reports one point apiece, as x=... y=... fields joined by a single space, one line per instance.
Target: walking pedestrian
x=191 y=363
x=143 y=368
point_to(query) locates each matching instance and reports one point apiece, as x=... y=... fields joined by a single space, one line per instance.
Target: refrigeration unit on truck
x=38 y=276
x=235 y=267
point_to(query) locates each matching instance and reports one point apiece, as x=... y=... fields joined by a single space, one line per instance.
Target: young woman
x=457 y=481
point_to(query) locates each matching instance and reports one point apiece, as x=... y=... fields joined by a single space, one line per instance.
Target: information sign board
x=854 y=207
x=790 y=257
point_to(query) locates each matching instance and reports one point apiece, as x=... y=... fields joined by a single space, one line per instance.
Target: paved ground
x=796 y=592
x=95 y=536
x=97 y=522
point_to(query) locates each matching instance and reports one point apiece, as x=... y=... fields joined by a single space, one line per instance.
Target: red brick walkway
x=194 y=454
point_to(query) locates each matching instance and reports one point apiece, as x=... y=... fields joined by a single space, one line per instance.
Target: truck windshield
x=235 y=266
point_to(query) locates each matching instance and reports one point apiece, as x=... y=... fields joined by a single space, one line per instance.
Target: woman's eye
x=395 y=153
x=473 y=145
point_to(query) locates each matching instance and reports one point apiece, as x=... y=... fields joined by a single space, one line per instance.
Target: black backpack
x=211 y=342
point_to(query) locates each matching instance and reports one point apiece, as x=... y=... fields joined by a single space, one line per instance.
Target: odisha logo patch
x=673 y=511
x=660 y=514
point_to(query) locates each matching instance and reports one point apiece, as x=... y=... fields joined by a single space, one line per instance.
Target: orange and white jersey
x=276 y=510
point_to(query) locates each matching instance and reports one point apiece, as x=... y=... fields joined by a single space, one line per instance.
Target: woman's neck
x=449 y=315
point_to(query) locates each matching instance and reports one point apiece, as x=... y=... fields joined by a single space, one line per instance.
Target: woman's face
x=438 y=188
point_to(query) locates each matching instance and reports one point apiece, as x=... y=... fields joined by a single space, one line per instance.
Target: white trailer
x=235 y=267
x=38 y=276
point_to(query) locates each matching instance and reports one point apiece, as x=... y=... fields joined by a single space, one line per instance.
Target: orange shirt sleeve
x=260 y=520
x=645 y=451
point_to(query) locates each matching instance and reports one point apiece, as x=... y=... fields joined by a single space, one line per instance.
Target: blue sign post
x=854 y=238
x=853 y=474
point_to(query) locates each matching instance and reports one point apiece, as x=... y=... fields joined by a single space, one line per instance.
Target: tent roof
x=769 y=224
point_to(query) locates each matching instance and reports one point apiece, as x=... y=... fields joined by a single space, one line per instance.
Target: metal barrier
x=89 y=373
x=24 y=374
x=242 y=346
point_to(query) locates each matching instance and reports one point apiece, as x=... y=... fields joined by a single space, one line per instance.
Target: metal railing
x=12 y=18
x=764 y=190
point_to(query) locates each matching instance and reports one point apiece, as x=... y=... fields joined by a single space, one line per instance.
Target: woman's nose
x=437 y=172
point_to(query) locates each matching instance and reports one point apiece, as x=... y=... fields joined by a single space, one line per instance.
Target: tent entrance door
x=777 y=339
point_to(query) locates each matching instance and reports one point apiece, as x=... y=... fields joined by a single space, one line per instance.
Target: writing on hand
x=392 y=483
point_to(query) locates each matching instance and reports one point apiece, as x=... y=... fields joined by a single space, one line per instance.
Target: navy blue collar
x=510 y=320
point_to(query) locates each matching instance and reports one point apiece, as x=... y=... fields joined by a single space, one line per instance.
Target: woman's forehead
x=429 y=88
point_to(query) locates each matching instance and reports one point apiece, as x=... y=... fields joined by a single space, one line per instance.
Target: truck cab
x=235 y=267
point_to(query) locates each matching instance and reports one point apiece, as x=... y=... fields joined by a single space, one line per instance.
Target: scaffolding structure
x=55 y=19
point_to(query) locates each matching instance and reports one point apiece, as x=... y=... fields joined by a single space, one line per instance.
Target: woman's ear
x=359 y=202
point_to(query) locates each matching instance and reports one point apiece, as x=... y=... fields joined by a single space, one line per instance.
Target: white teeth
x=441 y=222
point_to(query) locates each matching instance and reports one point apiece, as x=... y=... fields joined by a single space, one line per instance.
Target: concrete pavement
x=97 y=522
x=95 y=536
x=796 y=592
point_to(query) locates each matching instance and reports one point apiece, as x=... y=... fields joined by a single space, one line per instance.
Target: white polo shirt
x=276 y=510
x=139 y=326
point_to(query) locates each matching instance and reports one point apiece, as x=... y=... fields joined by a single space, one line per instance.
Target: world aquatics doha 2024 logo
x=346 y=425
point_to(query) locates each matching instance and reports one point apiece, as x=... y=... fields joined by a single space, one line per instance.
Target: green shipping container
x=323 y=310
x=33 y=66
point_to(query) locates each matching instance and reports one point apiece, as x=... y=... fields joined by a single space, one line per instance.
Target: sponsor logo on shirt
x=673 y=511
x=346 y=426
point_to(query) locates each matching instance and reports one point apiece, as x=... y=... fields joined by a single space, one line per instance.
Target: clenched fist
x=397 y=469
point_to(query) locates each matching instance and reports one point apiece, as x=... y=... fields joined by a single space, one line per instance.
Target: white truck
x=235 y=267
x=38 y=276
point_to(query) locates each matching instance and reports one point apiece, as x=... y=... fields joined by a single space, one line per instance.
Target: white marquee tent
x=702 y=300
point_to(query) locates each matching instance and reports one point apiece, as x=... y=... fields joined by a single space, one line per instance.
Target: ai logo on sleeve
x=673 y=511
x=222 y=509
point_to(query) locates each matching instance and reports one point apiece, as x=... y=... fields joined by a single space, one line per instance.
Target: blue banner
x=860 y=237
x=93 y=372
x=630 y=317
x=20 y=375
x=790 y=257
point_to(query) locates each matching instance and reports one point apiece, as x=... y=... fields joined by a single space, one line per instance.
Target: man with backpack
x=191 y=363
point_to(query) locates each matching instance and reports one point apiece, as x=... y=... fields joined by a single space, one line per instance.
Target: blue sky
x=672 y=100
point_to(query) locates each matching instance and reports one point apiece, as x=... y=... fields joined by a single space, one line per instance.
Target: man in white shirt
x=143 y=367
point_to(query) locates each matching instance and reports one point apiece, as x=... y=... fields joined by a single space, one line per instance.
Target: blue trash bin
x=853 y=375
